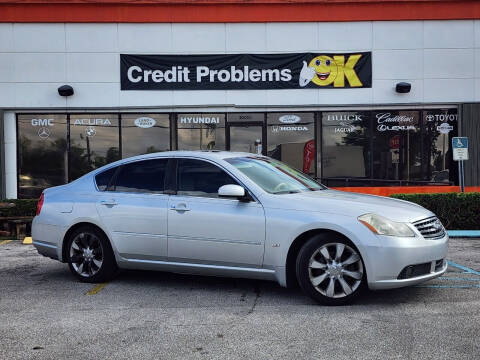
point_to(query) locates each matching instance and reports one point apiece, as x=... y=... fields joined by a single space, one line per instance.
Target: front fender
x=283 y=228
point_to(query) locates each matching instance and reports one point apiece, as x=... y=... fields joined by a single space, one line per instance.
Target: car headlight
x=382 y=226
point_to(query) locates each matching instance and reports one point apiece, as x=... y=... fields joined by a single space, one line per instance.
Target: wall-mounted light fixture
x=403 y=87
x=65 y=90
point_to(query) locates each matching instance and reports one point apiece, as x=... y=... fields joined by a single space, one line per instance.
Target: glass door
x=245 y=137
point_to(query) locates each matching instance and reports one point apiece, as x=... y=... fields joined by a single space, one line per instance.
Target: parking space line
x=464 y=268
x=457 y=278
x=465 y=279
x=5 y=242
x=96 y=289
x=436 y=286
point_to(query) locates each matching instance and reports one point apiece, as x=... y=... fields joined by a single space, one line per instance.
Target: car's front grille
x=430 y=228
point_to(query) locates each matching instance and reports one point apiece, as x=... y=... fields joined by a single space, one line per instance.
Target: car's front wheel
x=330 y=270
x=90 y=256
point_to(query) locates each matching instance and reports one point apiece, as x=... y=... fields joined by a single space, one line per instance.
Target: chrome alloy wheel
x=335 y=270
x=86 y=254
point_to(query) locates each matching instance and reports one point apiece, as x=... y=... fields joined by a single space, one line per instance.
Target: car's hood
x=350 y=204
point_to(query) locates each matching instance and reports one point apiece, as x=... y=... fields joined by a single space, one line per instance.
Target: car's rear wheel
x=330 y=270
x=90 y=256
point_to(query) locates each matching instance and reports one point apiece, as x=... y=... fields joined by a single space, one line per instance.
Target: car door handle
x=179 y=207
x=108 y=202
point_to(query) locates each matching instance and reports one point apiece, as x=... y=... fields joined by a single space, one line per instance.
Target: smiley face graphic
x=325 y=69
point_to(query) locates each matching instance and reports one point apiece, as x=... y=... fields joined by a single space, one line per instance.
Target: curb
x=464 y=233
x=27 y=240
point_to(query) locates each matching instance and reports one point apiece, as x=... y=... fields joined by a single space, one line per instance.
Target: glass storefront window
x=345 y=148
x=201 y=131
x=42 y=153
x=397 y=145
x=290 y=138
x=439 y=128
x=355 y=148
x=245 y=132
x=145 y=133
x=93 y=142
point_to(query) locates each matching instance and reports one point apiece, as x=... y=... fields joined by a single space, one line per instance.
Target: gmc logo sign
x=42 y=122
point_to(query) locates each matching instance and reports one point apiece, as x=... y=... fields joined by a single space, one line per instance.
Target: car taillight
x=40 y=204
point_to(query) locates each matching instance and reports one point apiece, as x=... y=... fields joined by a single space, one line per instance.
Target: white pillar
x=10 y=141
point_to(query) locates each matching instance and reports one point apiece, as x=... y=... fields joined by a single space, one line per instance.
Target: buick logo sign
x=145 y=122
x=43 y=133
x=90 y=131
x=289 y=119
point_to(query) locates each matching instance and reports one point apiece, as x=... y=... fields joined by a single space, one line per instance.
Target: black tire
x=90 y=256
x=312 y=266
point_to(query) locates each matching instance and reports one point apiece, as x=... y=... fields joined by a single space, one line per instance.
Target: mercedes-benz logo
x=90 y=131
x=43 y=132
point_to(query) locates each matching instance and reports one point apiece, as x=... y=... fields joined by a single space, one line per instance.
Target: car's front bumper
x=386 y=262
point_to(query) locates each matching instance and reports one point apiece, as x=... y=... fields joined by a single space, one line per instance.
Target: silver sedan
x=236 y=215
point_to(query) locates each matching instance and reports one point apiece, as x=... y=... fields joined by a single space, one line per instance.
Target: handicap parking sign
x=460 y=148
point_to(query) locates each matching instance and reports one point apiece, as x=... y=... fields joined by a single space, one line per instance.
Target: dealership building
x=363 y=93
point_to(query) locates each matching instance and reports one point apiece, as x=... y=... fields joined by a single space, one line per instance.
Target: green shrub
x=456 y=211
x=23 y=207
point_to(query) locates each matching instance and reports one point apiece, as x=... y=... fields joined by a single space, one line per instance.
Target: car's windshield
x=274 y=176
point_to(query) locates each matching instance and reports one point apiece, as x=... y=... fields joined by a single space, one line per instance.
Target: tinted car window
x=103 y=179
x=146 y=176
x=200 y=178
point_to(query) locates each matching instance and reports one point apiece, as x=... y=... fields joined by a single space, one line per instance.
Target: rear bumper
x=47 y=239
x=386 y=262
x=46 y=249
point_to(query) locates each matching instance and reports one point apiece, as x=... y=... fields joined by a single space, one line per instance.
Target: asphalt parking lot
x=45 y=314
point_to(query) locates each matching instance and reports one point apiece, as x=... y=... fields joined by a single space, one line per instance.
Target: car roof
x=204 y=154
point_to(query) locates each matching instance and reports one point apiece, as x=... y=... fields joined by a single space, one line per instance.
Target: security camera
x=403 y=87
x=65 y=90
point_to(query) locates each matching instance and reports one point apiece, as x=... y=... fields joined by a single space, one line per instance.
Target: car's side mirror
x=232 y=191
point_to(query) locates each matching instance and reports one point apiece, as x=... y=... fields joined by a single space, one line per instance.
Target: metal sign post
x=460 y=153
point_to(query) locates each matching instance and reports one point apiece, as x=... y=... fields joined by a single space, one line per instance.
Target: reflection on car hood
x=350 y=204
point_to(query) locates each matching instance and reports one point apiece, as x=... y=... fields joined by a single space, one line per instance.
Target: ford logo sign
x=144 y=122
x=289 y=119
